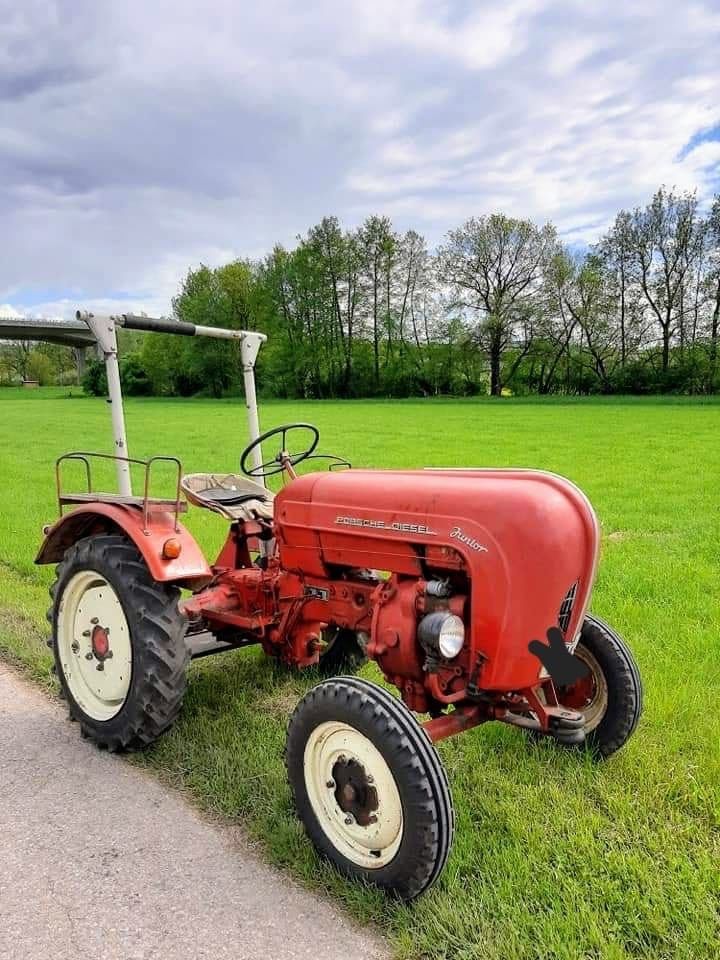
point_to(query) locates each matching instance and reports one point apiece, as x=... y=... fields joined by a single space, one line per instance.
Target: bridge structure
x=68 y=333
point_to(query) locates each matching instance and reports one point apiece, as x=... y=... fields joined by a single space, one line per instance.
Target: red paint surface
x=190 y=566
x=539 y=533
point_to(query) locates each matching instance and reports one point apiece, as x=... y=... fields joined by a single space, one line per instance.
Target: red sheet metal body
x=190 y=567
x=523 y=537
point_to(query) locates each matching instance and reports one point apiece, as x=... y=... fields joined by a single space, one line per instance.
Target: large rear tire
x=341 y=653
x=369 y=786
x=118 y=639
x=611 y=695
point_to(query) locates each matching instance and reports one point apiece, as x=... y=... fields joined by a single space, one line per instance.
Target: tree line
x=502 y=305
x=46 y=363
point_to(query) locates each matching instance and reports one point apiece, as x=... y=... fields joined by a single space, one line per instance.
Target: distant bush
x=94 y=381
x=133 y=378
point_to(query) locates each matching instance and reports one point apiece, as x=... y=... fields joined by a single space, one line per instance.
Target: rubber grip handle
x=158 y=325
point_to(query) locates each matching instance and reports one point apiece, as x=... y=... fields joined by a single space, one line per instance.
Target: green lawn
x=554 y=856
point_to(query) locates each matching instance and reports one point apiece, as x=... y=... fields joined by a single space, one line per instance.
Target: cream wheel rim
x=596 y=706
x=333 y=748
x=94 y=647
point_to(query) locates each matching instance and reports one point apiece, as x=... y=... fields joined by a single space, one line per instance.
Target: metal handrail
x=84 y=457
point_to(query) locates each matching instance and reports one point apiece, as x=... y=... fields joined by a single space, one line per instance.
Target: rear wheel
x=610 y=695
x=340 y=653
x=369 y=786
x=118 y=639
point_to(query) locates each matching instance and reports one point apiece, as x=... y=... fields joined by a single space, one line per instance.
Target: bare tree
x=341 y=258
x=713 y=280
x=378 y=243
x=616 y=250
x=558 y=321
x=589 y=300
x=666 y=240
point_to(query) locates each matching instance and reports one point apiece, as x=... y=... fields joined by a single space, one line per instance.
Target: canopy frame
x=104 y=329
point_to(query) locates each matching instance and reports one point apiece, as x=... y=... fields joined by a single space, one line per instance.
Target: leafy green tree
x=222 y=297
x=62 y=362
x=501 y=304
x=40 y=368
x=16 y=356
x=494 y=267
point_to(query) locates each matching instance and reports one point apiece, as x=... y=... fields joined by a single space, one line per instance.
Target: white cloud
x=139 y=139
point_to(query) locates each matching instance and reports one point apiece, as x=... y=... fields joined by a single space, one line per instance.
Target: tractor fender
x=190 y=566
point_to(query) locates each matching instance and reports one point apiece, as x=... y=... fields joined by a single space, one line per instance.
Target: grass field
x=554 y=857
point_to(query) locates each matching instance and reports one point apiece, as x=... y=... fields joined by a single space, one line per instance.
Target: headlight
x=442 y=632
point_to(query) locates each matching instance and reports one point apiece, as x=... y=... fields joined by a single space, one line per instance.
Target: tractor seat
x=233 y=496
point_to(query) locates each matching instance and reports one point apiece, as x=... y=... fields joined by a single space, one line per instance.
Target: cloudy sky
x=142 y=137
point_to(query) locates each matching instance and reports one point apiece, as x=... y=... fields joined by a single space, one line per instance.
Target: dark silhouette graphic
x=564 y=667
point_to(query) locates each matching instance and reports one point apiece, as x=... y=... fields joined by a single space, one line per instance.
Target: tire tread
x=162 y=658
x=400 y=733
x=625 y=690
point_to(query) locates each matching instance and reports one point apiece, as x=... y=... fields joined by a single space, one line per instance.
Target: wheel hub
x=580 y=694
x=354 y=791
x=354 y=795
x=589 y=694
x=100 y=643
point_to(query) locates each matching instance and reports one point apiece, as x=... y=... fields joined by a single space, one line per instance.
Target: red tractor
x=446 y=578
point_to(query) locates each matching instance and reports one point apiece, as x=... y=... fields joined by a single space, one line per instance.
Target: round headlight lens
x=452 y=636
x=442 y=632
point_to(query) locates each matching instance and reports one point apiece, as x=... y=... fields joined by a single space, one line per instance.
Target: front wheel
x=118 y=639
x=610 y=695
x=369 y=786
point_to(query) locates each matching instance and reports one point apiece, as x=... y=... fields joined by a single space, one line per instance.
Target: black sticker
x=564 y=667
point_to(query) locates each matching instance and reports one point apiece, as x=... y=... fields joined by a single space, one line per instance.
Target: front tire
x=369 y=786
x=611 y=696
x=118 y=639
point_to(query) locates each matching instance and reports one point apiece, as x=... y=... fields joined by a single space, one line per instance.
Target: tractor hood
x=528 y=541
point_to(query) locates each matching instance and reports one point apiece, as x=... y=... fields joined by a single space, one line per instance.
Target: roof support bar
x=104 y=329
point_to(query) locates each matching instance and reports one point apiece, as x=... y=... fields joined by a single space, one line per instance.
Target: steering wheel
x=283 y=457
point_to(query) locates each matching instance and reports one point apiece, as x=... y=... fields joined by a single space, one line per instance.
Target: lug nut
x=330 y=784
x=86 y=633
x=94 y=621
x=75 y=647
x=348 y=820
x=100 y=666
x=372 y=818
x=108 y=655
x=89 y=656
x=370 y=778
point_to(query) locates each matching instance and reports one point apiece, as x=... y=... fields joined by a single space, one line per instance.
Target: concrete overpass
x=68 y=333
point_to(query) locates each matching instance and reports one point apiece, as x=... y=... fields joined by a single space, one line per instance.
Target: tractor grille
x=566 y=607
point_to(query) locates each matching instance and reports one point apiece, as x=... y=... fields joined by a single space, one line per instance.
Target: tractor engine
x=475 y=564
x=418 y=639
